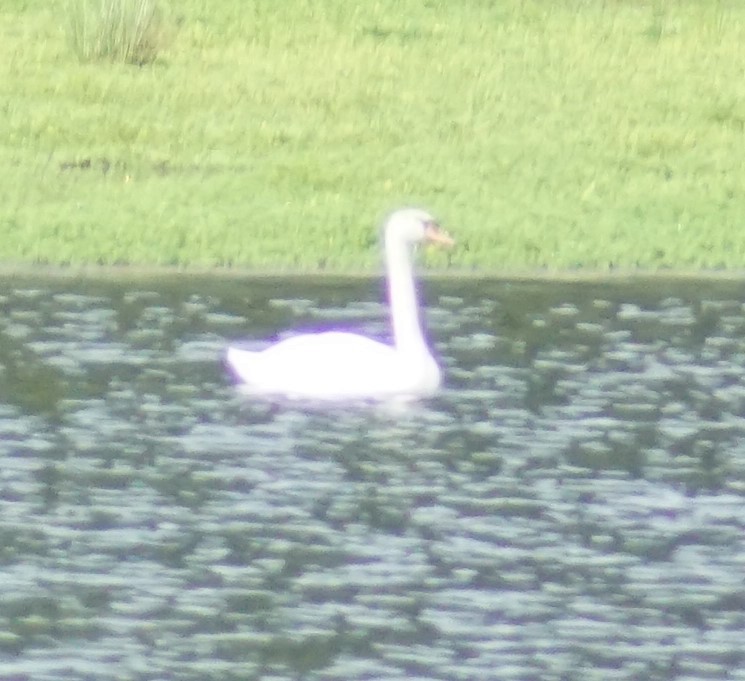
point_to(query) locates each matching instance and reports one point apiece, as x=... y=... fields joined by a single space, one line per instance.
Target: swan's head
x=412 y=225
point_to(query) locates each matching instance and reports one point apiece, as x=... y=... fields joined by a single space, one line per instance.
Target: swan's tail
x=240 y=363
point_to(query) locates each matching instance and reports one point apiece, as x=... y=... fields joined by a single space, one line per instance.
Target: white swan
x=339 y=365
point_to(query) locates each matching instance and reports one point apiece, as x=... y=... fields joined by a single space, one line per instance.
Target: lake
x=570 y=506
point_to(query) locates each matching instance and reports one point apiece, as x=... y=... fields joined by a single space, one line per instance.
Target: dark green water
x=572 y=506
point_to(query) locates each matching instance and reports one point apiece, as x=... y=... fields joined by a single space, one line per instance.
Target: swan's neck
x=407 y=329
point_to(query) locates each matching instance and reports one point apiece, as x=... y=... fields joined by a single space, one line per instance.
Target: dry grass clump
x=126 y=31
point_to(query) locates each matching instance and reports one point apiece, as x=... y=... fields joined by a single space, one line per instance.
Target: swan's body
x=339 y=365
x=334 y=365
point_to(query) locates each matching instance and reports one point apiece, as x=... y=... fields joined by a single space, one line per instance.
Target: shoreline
x=134 y=272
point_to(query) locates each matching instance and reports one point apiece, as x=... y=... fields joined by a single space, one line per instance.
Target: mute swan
x=339 y=365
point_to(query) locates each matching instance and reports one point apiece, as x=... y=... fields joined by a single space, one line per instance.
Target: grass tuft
x=125 y=31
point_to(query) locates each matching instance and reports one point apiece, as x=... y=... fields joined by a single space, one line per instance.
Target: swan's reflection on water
x=569 y=505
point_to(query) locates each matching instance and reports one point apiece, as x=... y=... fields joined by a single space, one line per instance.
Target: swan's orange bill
x=437 y=235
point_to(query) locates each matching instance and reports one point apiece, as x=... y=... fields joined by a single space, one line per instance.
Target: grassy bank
x=575 y=133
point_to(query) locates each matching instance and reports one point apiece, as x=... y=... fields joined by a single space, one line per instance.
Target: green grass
x=570 y=134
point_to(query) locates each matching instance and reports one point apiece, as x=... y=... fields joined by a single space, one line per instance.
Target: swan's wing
x=329 y=344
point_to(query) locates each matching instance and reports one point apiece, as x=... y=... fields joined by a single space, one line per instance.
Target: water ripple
x=571 y=505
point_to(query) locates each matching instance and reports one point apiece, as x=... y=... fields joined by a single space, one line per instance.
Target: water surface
x=570 y=506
